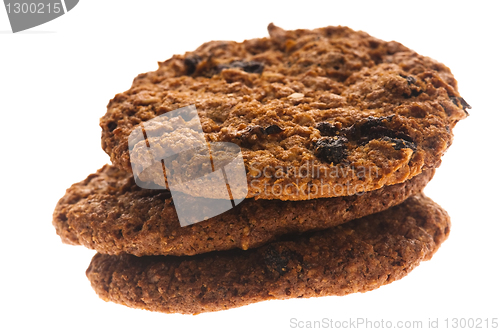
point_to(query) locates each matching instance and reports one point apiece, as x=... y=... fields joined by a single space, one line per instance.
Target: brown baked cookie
x=306 y=107
x=109 y=213
x=358 y=256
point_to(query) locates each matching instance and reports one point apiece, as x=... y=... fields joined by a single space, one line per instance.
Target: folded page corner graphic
x=205 y=179
x=70 y=4
x=25 y=14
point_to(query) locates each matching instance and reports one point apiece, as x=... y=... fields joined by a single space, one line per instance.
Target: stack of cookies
x=337 y=132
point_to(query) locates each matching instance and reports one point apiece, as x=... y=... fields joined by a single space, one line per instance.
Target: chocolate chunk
x=326 y=129
x=111 y=126
x=414 y=93
x=381 y=131
x=400 y=143
x=273 y=129
x=221 y=67
x=363 y=127
x=374 y=128
x=278 y=261
x=249 y=131
x=190 y=63
x=411 y=80
x=249 y=66
x=331 y=149
x=254 y=67
x=371 y=122
x=463 y=103
x=258 y=130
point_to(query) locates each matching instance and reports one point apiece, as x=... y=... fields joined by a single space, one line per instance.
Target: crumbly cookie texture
x=109 y=213
x=332 y=99
x=358 y=256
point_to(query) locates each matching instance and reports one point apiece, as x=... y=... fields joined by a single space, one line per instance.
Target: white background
x=56 y=80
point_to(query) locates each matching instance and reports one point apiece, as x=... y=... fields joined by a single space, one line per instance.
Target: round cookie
x=108 y=212
x=358 y=256
x=306 y=107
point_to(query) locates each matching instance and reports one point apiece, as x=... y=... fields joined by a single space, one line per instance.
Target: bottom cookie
x=358 y=256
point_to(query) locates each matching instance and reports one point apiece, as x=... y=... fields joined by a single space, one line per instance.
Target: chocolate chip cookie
x=307 y=108
x=108 y=212
x=358 y=256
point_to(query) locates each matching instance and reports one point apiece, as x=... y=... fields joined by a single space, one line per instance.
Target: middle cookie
x=108 y=212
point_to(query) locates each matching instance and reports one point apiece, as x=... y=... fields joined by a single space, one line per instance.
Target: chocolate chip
x=331 y=149
x=273 y=129
x=190 y=63
x=463 y=103
x=254 y=67
x=202 y=291
x=372 y=121
x=381 y=131
x=411 y=80
x=375 y=128
x=249 y=131
x=111 y=126
x=400 y=143
x=258 y=130
x=255 y=130
x=414 y=93
x=249 y=66
x=221 y=67
x=362 y=128
x=326 y=129
x=278 y=261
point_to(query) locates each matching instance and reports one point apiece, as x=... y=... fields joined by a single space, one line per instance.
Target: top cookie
x=316 y=113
